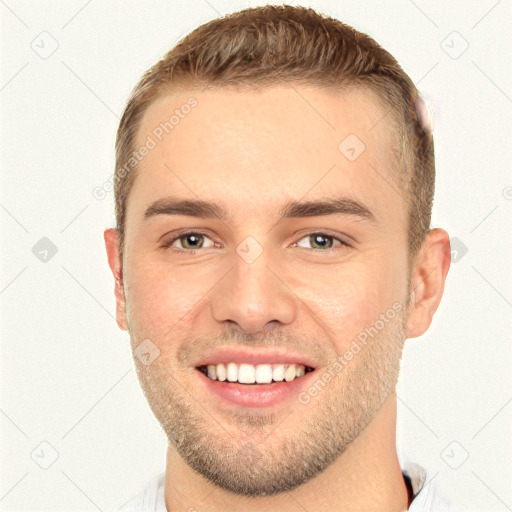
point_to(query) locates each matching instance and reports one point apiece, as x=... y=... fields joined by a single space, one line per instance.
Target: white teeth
x=232 y=372
x=246 y=374
x=221 y=372
x=211 y=372
x=278 y=372
x=264 y=374
x=289 y=374
x=250 y=374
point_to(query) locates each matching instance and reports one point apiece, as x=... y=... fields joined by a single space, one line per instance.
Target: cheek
x=350 y=298
x=157 y=299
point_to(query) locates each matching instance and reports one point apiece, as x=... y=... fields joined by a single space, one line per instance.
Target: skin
x=253 y=150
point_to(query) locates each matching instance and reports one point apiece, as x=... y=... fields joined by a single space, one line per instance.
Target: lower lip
x=255 y=395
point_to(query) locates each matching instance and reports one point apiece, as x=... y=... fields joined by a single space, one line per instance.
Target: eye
x=189 y=241
x=322 y=241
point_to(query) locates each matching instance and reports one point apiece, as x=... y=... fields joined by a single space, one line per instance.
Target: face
x=327 y=284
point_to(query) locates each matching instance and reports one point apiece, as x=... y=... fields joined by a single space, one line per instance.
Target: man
x=274 y=185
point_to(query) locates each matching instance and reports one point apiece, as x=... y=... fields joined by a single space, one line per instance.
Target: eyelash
x=168 y=244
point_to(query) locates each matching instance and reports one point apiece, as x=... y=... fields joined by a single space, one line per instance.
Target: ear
x=111 y=237
x=428 y=276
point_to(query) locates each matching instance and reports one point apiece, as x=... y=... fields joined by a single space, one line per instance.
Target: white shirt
x=427 y=495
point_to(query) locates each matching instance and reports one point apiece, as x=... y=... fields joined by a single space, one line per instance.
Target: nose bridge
x=251 y=295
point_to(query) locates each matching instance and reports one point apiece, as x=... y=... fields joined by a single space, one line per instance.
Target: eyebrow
x=291 y=209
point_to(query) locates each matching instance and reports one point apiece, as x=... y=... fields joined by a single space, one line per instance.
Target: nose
x=253 y=296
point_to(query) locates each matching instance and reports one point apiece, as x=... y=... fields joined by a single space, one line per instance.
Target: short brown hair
x=268 y=45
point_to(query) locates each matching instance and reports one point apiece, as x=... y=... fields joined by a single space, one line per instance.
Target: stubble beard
x=255 y=452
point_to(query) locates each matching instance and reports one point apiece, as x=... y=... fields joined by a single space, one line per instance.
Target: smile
x=245 y=373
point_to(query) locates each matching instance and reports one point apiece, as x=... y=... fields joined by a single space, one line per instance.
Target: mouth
x=254 y=375
x=260 y=385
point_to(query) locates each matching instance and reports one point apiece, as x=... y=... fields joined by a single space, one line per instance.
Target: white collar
x=426 y=491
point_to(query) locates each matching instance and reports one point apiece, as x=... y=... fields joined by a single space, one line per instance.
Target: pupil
x=321 y=238
x=192 y=237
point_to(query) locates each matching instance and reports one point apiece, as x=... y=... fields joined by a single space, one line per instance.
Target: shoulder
x=149 y=499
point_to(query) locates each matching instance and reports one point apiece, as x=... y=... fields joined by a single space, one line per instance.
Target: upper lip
x=269 y=356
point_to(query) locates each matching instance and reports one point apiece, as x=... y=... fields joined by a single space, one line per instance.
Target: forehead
x=254 y=145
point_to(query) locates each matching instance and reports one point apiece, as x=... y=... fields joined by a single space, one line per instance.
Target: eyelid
x=179 y=234
x=324 y=232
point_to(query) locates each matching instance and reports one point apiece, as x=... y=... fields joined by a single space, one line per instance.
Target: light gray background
x=66 y=369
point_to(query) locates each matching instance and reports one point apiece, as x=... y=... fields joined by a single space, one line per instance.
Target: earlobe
x=111 y=237
x=429 y=272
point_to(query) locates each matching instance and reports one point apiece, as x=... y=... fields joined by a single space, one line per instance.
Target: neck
x=367 y=476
